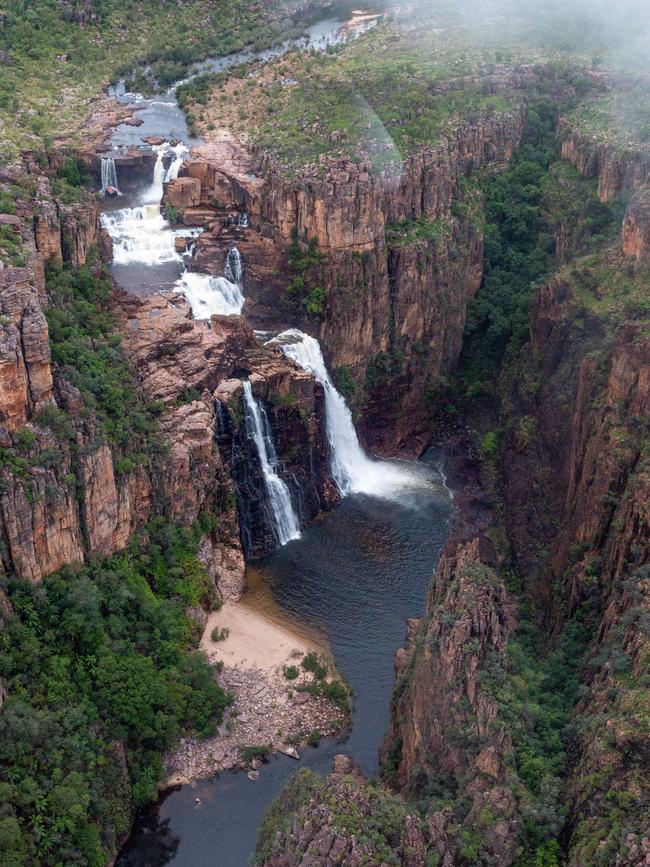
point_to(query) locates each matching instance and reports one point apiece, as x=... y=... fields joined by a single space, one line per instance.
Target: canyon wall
x=573 y=477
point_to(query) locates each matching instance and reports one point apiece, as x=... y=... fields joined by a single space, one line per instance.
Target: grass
x=378 y=99
x=57 y=66
x=620 y=117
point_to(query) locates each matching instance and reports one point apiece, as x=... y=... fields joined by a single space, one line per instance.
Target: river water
x=355 y=575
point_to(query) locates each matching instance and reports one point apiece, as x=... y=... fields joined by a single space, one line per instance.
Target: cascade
x=352 y=469
x=140 y=235
x=234 y=269
x=180 y=151
x=243 y=220
x=282 y=515
x=209 y=295
x=220 y=417
x=154 y=192
x=109 y=175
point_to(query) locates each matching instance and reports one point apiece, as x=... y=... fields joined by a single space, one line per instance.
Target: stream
x=354 y=575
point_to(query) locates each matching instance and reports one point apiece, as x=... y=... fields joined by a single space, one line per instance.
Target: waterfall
x=109 y=174
x=209 y=295
x=243 y=220
x=140 y=236
x=234 y=270
x=180 y=151
x=352 y=469
x=283 y=518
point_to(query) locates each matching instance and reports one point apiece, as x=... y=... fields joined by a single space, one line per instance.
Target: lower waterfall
x=282 y=515
x=352 y=469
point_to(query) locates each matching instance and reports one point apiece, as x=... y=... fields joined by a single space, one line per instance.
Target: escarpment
x=616 y=169
x=399 y=256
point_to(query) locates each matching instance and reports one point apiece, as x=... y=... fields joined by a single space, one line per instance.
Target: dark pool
x=357 y=574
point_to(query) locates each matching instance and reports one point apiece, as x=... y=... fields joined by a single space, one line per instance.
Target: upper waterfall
x=353 y=470
x=281 y=512
x=109 y=175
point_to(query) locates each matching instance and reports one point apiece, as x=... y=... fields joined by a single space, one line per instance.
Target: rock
x=636 y=226
x=290 y=751
x=183 y=193
x=300 y=698
x=253 y=775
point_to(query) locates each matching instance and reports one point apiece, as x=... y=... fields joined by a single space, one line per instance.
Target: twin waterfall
x=282 y=515
x=142 y=236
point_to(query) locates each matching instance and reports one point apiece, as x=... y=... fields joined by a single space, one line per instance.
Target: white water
x=109 y=175
x=141 y=235
x=234 y=270
x=352 y=469
x=180 y=151
x=284 y=520
x=209 y=295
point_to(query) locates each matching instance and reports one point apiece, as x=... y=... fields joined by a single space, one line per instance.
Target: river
x=356 y=574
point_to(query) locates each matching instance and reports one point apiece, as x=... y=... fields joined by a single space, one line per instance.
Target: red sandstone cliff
x=407 y=302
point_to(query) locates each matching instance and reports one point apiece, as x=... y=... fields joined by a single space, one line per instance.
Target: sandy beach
x=254 y=641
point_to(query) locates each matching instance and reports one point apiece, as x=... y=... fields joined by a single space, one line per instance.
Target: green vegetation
x=219 y=633
x=86 y=348
x=259 y=751
x=58 y=56
x=375 y=98
x=410 y=232
x=367 y=814
x=303 y=294
x=291 y=672
x=280 y=815
x=525 y=207
x=537 y=692
x=619 y=118
x=171 y=213
x=314 y=738
x=316 y=665
x=101 y=680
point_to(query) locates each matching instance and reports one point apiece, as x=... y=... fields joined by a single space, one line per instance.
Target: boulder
x=183 y=193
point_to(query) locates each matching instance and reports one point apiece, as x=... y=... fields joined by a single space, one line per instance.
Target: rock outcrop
x=616 y=169
x=636 y=226
x=339 y=820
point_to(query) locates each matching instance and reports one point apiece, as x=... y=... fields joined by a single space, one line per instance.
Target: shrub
x=315 y=664
x=220 y=633
x=259 y=751
x=290 y=672
x=314 y=738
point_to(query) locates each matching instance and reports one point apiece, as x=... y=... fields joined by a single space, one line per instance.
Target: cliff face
x=573 y=475
x=617 y=170
x=393 y=300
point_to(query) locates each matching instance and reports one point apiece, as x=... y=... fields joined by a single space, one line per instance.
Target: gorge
x=320 y=327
